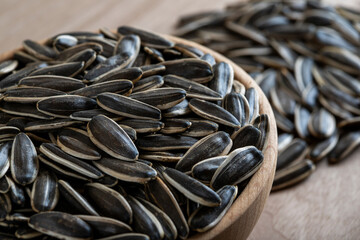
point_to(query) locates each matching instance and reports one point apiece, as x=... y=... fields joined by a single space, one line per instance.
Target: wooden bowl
x=246 y=209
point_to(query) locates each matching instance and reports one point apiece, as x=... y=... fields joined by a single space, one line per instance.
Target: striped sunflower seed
x=205 y=218
x=77 y=201
x=103 y=227
x=64 y=105
x=220 y=142
x=109 y=202
x=77 y=143
x=24 y=164
x=213 y=112
x=64 y=84
x=60 y=225
x=198 y=192
x=127 y=171
x=57 y=155
x=127 y=107
x=44 y=193
x=247 y=160
x=111 y=138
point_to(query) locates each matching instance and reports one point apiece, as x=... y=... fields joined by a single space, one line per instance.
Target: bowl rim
x=262 y=179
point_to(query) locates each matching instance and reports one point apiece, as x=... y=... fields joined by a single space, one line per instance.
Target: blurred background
x=38 y=19
x=327 y=207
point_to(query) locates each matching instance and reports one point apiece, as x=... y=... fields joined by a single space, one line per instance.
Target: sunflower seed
x=322 y=124
x=205 y=218
x=200 y=128
x=43 y=125
x=205 y=169
x=29 y=94
x=220 y=142
x=17 y=194
x=247 y=160
x=44 y=193
x=5 y=206
x=154 y=53
x=346 y=145
x=12 y=80
x=60 y=225
x=127 y=236
x=283 y=123
x=253 y=100
x=193 y=69
x=145 y=221
x=323 y=148
x=173 y=125
x=161 y=98
x=60 y=157
x=8 y=66
x=27 y=233
x=64 y=105
x=293 y=152
x=77 y=201
x=103 y=227
x=143 y=125
x=246 y=136
x=150 y=70
x=62 y=42
x=193 y=89
x=223 y=78
x=178 y=110
x=60 y=169
x=39 y=51
x=147 y=38
x=282 y=101
x=111 y=138
x=127 y=107
x=65 y=54
x=213 y=112
x=133 y=74
x=148 y=83
x=64 y=84
x=20 y=109
x=24 y=164
x=246 y=31
x=108 y=181
x=158 y=142
x=87 y=56
x=198 y=192
x=160 y=194
x=293 y=174
x=301 y=120
x=109 y=202
x=238 y=106
x=4 y=184
x=63 y=69
x=170 y=232
x=77 y=143
x=161 y=156
x=126 y=171
x=87 y=115
x=5 y=151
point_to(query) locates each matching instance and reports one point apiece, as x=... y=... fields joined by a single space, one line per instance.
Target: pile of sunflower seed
x=306 y=58
x=122 y=135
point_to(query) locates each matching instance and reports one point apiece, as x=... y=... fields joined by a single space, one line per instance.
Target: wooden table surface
x=326 y=206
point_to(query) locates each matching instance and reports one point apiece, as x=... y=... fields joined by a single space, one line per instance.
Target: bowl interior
x=246 y=209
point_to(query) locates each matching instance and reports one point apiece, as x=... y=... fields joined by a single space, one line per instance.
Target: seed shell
x=60 y=225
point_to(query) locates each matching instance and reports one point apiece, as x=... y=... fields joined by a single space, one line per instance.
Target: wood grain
x=326 y=206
